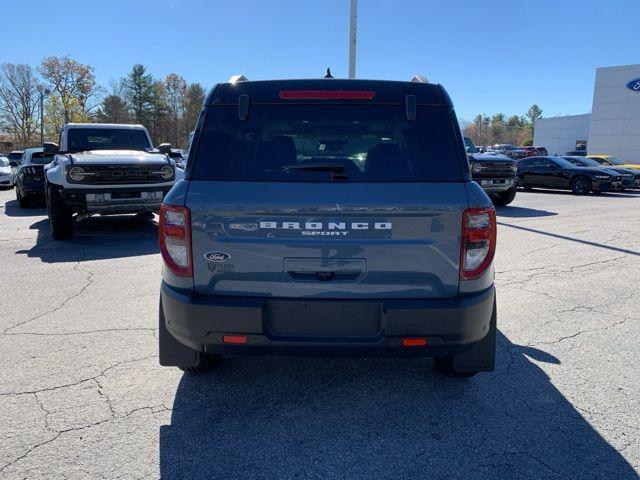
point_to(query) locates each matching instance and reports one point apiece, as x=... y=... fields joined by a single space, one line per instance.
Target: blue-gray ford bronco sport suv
x=328 y=217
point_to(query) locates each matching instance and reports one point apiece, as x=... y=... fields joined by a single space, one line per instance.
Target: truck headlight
x=166 y=172
x=76 y=174
x=476 y=167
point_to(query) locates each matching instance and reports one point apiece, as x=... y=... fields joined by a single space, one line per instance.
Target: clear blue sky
x=492 y=55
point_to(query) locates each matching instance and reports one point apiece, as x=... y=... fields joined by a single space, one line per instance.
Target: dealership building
x=612 y=127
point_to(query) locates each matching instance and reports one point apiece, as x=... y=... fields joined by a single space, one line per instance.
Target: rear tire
x=580 y=185
x=445 y=366
x=23 y=202
x=504 y=198
x=208 y=362
x=60 y=216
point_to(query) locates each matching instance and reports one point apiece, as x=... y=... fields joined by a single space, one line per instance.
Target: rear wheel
x=580 y=185
x=207 y=363
x=23 y=202
x=445 y=366
x=60 y=216
x=504 y=198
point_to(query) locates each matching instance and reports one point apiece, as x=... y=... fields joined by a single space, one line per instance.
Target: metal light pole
x=43 y=92
x=352 y=38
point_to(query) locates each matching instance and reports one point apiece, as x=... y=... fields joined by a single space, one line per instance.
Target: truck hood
x=117 y=157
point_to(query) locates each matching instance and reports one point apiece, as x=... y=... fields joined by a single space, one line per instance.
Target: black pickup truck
x=496 y=174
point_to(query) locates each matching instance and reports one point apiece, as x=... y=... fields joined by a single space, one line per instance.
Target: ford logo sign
x=634 y=85
x=218 y=257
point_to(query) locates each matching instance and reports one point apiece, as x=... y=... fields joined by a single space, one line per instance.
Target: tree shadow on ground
x=97 y=238
x=276 y=417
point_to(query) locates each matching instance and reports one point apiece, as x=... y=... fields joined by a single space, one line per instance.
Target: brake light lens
x=174 y=231
x=327 y=94
x=478 y=243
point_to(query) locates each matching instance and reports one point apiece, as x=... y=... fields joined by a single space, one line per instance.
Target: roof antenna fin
x=328 y=74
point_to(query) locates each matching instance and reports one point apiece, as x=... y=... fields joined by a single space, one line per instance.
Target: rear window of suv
x=353 y=143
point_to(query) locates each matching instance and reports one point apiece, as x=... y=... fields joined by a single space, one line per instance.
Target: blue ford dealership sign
x=634 y=85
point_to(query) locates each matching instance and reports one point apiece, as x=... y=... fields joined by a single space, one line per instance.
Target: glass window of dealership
x=612 y=127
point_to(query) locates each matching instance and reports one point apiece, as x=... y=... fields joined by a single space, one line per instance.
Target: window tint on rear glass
x=361 y=143
x=41 y=158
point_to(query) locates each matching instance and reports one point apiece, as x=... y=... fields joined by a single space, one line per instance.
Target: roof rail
x=420 y=79
x=238 y=78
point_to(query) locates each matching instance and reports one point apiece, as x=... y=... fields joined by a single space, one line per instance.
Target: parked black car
x=29 y=176
x=630 y=179
x=559 y=173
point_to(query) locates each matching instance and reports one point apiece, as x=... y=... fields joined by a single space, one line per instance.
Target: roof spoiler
x=238 y=78
x=419 y=79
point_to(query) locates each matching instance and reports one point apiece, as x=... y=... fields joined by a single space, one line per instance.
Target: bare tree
x=175 y=89
x=74 y=83
x=19 y=102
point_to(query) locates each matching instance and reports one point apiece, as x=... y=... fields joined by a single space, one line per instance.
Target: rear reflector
x=327 y=94
x=234 y=339
x=414 y=342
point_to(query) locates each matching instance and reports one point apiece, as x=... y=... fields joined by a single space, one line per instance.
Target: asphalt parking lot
x=82 y=394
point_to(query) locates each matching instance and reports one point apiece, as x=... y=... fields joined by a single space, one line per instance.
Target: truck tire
x=207 y=363
x=504 y=198
x=172 y=353
x=60 y=216
x=481 y=357
x=23 y=202
x=580 y=185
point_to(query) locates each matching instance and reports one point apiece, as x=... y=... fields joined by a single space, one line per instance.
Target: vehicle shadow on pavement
x=12 y=209
x=97 y=238
x=522 y=212
x=381 y=418
x=610 y=194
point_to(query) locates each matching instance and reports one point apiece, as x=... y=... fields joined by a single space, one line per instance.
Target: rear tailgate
x=375 y=240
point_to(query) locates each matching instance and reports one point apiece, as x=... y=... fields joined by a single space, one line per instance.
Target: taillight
x=175 y=239
x=478 y=243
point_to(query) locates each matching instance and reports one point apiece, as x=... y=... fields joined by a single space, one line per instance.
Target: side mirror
x=165 y=148
x=51 y=148
x=13 y=163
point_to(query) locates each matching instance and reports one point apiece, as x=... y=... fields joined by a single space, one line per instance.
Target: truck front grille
x=496 y=168
x=123 y=174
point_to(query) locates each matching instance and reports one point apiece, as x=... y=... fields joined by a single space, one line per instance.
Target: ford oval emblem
x=634 y=85
x=217 y=257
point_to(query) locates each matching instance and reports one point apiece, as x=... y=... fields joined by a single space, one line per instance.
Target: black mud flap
x=482 y=356
x=172 y=352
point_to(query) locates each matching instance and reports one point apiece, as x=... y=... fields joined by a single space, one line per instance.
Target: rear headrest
x=386 y=159
x=276 y=153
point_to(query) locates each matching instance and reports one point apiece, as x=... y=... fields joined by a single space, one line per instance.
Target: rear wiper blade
x=317 y=167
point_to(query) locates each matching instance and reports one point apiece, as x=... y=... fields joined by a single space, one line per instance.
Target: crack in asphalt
x=78 y=382
x=84 y=332
x=88 y=280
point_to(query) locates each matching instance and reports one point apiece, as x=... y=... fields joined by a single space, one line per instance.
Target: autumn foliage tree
x=168 y=107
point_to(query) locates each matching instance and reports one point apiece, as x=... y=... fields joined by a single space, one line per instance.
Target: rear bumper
x=448 y=325
x=31 y=186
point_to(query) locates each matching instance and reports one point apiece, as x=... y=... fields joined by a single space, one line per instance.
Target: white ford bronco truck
x=105 y=169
